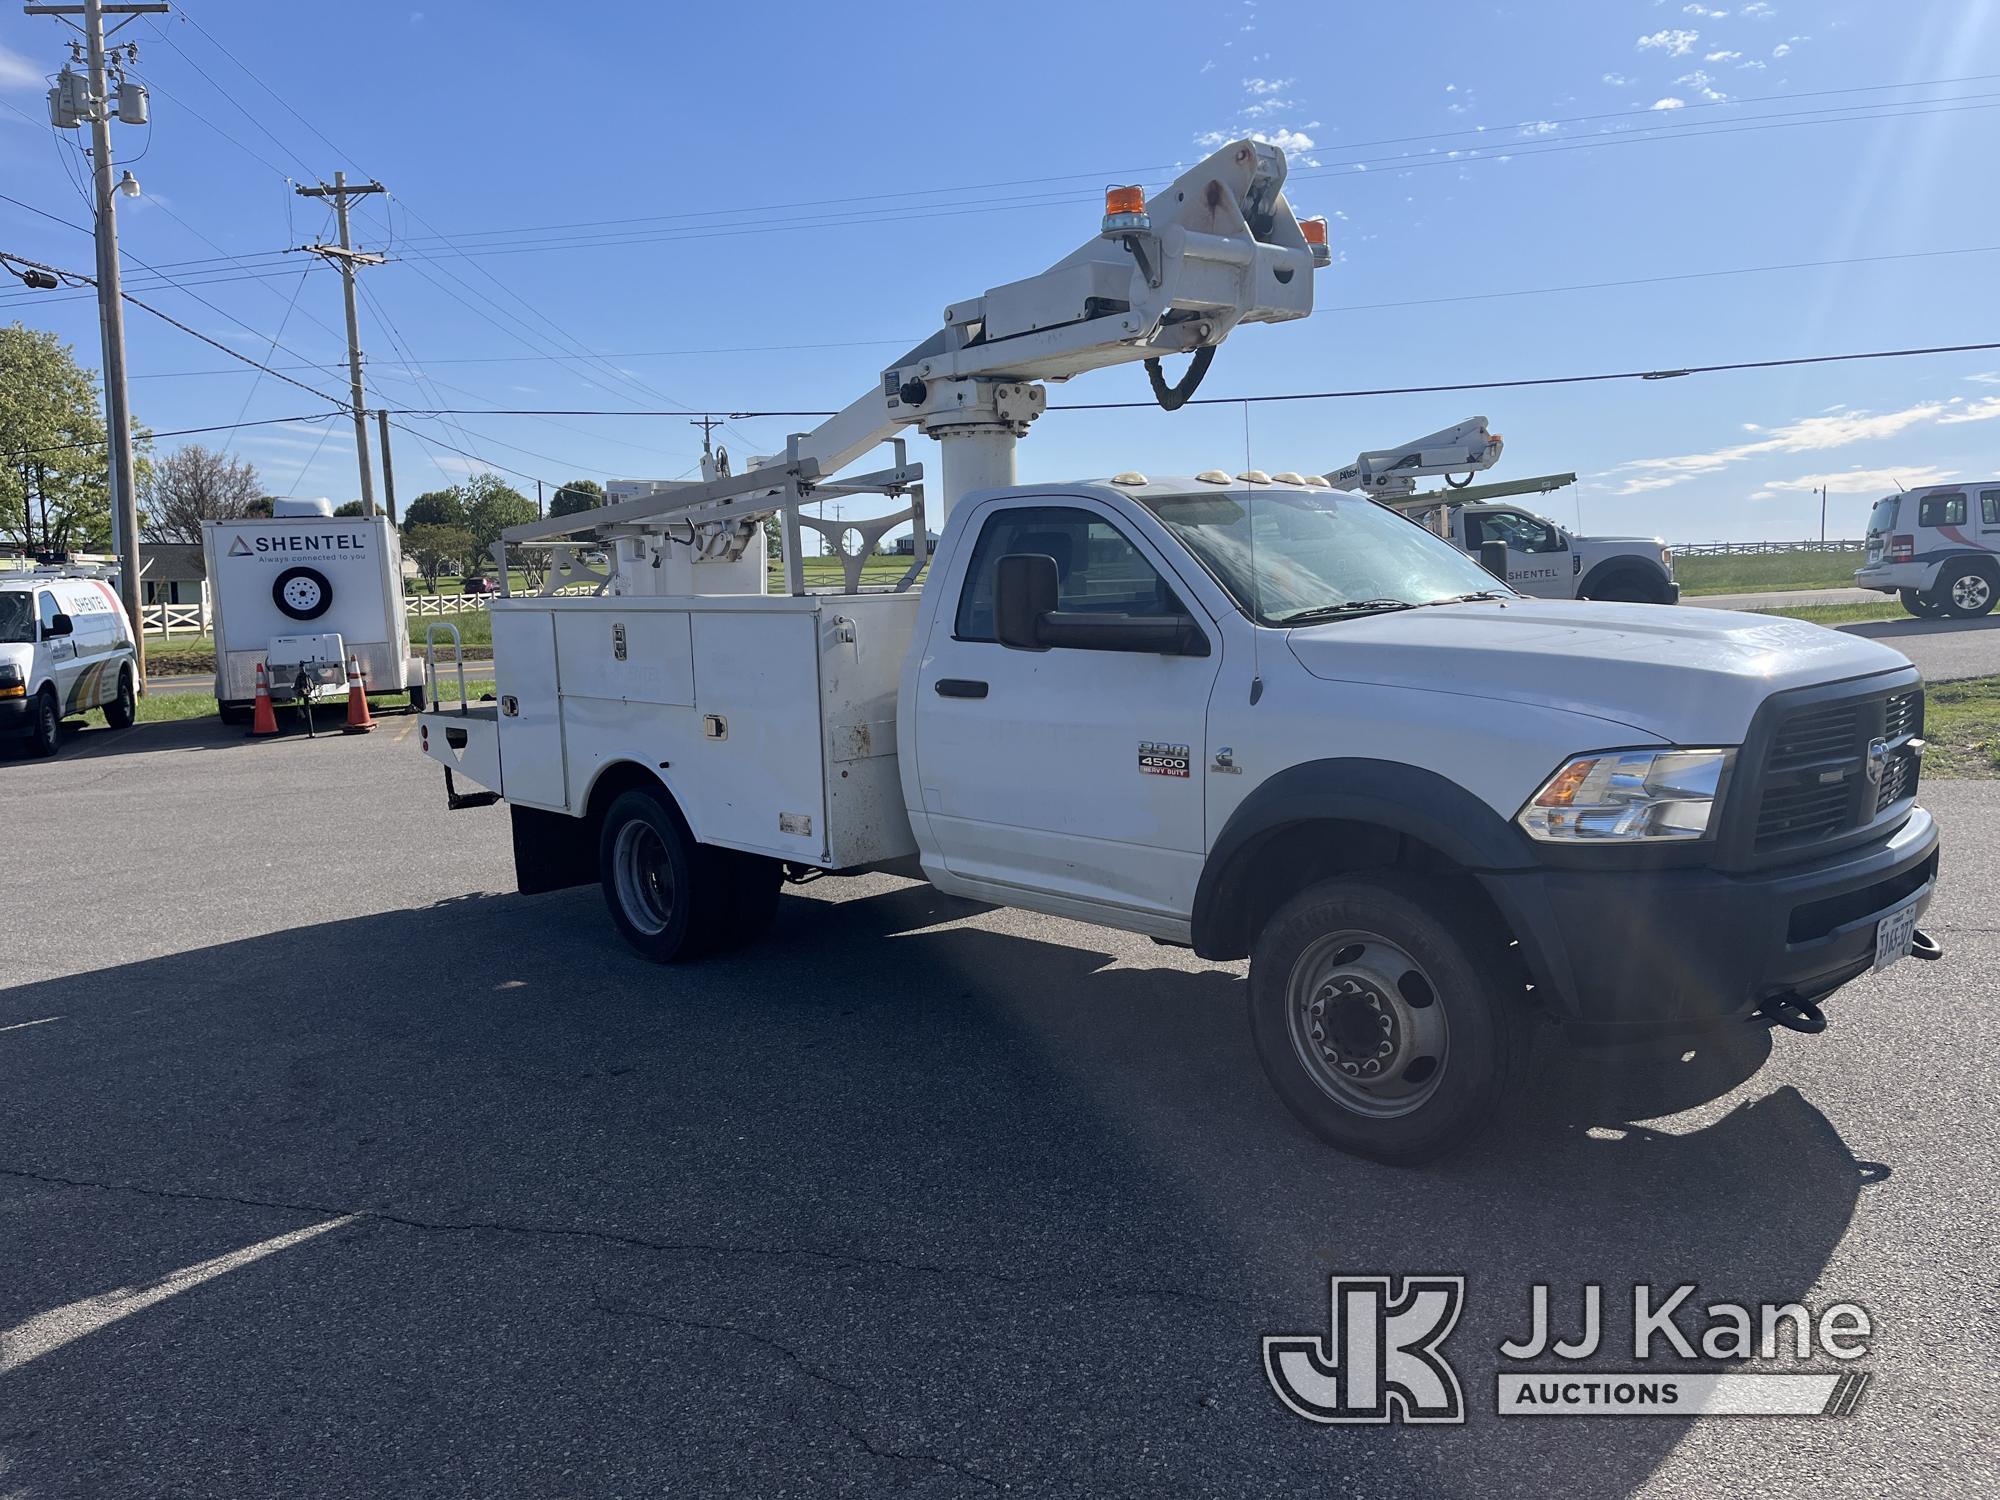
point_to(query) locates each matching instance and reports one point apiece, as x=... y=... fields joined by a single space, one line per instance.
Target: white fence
x=167 y=619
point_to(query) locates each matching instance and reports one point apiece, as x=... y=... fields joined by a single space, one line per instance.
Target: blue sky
x=754 y=206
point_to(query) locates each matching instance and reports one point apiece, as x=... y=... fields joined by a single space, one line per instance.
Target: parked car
x=1937 y=548
x=65 y=646
x=479 y=583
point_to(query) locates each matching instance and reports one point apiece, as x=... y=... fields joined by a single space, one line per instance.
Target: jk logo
x=1380 y=1360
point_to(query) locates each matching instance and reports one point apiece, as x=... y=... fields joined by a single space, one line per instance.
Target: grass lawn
x=1962 y=728
x=1839 y=614
x=1744 y=573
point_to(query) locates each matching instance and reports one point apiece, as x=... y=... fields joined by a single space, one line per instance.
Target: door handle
x=960 y=687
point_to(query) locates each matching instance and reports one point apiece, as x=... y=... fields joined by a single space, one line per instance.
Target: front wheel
x=45 y=729
x=1380 y=1021
x=120 y=712
x=670 y=897
x=416 y=698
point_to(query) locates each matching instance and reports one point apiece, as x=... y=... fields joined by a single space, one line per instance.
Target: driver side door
x=1539 y=559
x=1071 y=771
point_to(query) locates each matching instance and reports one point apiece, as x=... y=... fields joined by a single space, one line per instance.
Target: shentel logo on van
x=289 y=542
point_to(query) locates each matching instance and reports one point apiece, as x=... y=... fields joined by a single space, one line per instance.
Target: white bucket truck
x=1244 y=713
x=301 y=591
x=1534 y=554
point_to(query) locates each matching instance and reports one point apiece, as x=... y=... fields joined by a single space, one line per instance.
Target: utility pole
x=1822 y=515
x=388 y=474
x=347 y=258
x=67 y=110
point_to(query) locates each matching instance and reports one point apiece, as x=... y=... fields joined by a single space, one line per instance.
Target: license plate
x=1893 y=935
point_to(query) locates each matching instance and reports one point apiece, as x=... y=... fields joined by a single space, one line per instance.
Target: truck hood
x=1686 y=676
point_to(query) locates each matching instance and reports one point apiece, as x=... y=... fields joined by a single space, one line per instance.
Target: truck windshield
x=1883 y=516
x=17 y=617
x=1287 y=556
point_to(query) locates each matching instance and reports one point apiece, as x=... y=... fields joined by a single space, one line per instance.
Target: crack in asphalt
x=812 y=1372
x=636 y=1241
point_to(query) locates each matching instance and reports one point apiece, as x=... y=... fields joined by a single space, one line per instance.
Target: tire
x=1965 y=591
x=1920 y=606
x=45 y=733
x=1628 y=588
x=235 y=713
x=122 y=710
x=757 y=881
x=1406 y=973
x=670 y=898
x=302 y=593
x=417 y=699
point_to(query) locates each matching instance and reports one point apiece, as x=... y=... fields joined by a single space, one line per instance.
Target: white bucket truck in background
x=300 y=591
x=1541 y=558
x=1247 y=714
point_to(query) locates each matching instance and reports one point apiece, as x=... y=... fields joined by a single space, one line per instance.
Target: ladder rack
x=720 y=517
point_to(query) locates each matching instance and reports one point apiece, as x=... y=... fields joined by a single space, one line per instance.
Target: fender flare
x=1611 y=567
x=1403 y=799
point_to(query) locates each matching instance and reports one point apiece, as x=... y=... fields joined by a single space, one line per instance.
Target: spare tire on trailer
x=302 y=593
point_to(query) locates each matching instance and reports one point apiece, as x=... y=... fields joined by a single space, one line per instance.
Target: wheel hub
x=1366 y=1024
x=1971 y=592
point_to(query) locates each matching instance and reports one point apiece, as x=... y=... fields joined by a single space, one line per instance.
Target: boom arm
x=1217 y=249
x=1391 y=473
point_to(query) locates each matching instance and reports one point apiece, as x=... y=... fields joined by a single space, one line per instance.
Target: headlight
x=12 y=685
x=1627 y=796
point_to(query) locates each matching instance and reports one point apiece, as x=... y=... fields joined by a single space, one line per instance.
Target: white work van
x=1550 y=562
x=1247 y=714
x=1937 y=548
x=65 y=647
x=301 y=592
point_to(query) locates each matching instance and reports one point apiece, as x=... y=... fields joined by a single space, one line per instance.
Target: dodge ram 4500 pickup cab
x=1263 y=720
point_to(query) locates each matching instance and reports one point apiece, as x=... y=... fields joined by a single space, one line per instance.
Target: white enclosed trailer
x=281 y=585
x=1243 y=713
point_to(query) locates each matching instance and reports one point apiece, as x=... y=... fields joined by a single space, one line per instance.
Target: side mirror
x=1493 y=558
x=1024 y=589
x=62 y=624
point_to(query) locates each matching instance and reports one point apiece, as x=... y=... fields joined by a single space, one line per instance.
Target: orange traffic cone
x=358 y=721
x=263 y=721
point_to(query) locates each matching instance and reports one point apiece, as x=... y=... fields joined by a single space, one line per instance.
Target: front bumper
x=1635 y=952
x=16 y=713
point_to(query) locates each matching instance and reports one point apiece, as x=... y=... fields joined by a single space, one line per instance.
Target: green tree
x=435 y=508
x=52 y=445
x=351 y=508
x=491 y=506
x=576 y=495
x=435 y=548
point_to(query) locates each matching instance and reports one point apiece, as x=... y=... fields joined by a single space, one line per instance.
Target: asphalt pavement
x=329 y=1166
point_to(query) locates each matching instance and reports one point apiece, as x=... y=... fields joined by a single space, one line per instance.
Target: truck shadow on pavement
x=889 y=1203
x=1889 y=630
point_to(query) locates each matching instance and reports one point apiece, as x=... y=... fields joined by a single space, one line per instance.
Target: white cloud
x=1670 y=103
x=1702 y=10
x=1863 y=481
x=1755 y=62
x=1674 y=42
x=1783 y=49
x=1986 y=377
x=1810 y=434
x=1702 y=84
x=1209 y=66
x=1619 y=80
x=1983 y=410
x=1261 y=86
x=1541 y=127
x=1720 y=57
x=1759 y=9
x=17 y=72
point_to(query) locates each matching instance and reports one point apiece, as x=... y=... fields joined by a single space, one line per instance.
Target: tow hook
x=1924 y=946
x=1793 y=1013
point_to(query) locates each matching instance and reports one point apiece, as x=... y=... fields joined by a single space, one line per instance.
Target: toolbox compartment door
x=531 y=737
